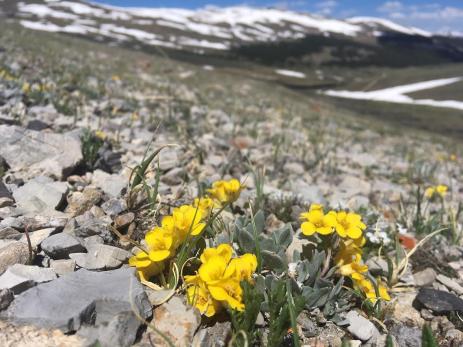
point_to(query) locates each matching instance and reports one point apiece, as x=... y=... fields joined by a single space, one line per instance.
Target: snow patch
x=290 y=73
x=397 y=94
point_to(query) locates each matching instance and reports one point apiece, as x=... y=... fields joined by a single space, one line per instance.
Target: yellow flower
x=243 y=267
x=453 y=157
x=26 y=87
x=218 y=279
x=204 y=204
x=200 y=297
x=159 y=243
x=355 y=270
x=185 y=220
x=224 y=251
x=440 y=190
x=349 y=225
x=146 y=268
x=228 y=291
x=101 y=134
x=349 y=251
x=367 y=287
x=225 y=191
x=318 y=222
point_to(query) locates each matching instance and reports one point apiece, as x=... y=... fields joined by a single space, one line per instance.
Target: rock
x=112 y=185
x=59 y=246
x=439 y=301
x=404 y=312
x=450 y=284
x=101 y=257
x=4 y=192
x=124 y=220
x=377 y=266
x=37 y=125
x=309 y=193
x=88 y=225
x=40 y=153
x=63 y=266
x=168 y=159
x=406 y=336
x=114 y=207
x=176 y=320
x=6 y=202
x=108 y=160
x=34 y=223
x=14 y=253
x=6 y=297
x=36 y=237
x=120 y=331
x=40 y=195
x=360 y=327
x=24 y=336
x=10 y=234
x=79 y=202
x=83 y=298
x=217 y=335
x=425 y=277
x=20 y=277
x=294 y=168
x=352 y=185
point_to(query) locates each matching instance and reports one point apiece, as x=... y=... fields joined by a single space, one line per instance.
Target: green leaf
x=273 y=261
x=427 y=338
x=389 y=341
x=245 y=240
x=283 y=236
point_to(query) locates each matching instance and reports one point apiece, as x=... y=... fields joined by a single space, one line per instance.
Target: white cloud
x=326 y=7
x=431 y=16
x=391 y=6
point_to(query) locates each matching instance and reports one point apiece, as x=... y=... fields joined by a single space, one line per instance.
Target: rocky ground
x=77 y=118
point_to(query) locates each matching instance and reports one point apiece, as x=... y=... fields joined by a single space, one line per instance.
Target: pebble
x=14 y=253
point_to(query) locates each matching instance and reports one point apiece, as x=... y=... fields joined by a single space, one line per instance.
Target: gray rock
x=112 y=185
x=425 y=277
x=59 y=246
x=101 y=257
x=34 y=223
x=20 y=277
x=87 y=225
x=114 y=207
x=360 y=327
x=310 y=193
x=377 y=266
x=439 y=301
x=82 y=298
x=177 y=320
x=40 y=195
x=14 y=253
x=63 y=266
x=120 y=331
x=406 y=336
x=217 y=335
x=450 y=284
x=4 y=192
x=6 y=297
x=36 y=237
x=40 y=153
x=9 y=233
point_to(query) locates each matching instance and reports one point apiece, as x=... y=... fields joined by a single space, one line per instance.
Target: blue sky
x=444 y=15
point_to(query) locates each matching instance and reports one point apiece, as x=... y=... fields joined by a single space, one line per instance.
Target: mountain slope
x=219 y=31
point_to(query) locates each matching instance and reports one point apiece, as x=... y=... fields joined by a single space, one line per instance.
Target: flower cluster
x=349 y=260
x=163 y=241
x=346 y=224
x=440 y=190
x=217 y=282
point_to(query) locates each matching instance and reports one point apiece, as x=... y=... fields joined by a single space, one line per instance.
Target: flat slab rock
x=83 y=299
x=439 y=301
x=38 y=152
